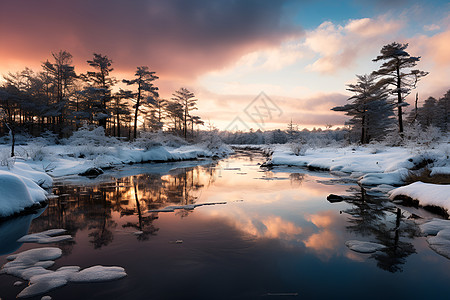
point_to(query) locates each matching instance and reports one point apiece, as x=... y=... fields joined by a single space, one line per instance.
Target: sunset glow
x=300 y=53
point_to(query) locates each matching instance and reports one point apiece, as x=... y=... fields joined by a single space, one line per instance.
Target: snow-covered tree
x=396 y=72
x=187 y=100
x=60 y=75
x=100 y=83
x=369 y=108
x=443 y=106
x=145 y=90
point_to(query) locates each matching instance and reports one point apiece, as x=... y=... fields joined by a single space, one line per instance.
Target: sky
x=251 y=63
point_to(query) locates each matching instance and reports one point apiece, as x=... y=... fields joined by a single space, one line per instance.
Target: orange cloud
x=340 y=46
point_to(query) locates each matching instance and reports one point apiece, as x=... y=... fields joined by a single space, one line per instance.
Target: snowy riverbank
x=380 y=166
x=23 y=179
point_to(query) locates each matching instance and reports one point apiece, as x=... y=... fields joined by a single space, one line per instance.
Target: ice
x=98 y=273
x=31 y=265
x=17 y=283
x=425 y=193
x=438 y=232
x=186 y=207
x=45 y=237
x=363 y=247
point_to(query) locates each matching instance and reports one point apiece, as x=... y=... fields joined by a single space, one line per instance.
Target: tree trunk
x=399 y=100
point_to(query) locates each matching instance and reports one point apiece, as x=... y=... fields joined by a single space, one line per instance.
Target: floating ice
x=186 y=207
x=98 y=273
x=438 y=232
x=45 y=237
x=363 y=247
x=31 y=265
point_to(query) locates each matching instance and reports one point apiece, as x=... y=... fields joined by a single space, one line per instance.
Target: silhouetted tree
x=395 y=72
x=145 y=90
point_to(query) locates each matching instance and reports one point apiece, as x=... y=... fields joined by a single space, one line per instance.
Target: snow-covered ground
x=378 y=167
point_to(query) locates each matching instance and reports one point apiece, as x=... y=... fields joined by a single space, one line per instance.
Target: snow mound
x=425 y=193
x=438 y=232
x=45 y=237
x=15 y=195
x=31 y=265
x=363 y=247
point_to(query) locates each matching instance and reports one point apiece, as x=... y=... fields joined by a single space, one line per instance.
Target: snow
x=22 y=182
x=98 y=274
x=363 y=247
x=32 y=265
x=45 y=237
x=375 y=164
x=438 y=232
x=18 y=193
x=425 y=193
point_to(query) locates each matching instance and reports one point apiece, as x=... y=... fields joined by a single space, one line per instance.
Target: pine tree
x=187 y=100
x=395 y=72
x=100 y=83
x=370 y=111
x=145 y=88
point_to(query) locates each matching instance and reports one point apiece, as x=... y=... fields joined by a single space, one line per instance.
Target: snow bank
x=17 y=193
x=425 y=193
x=438 y=232
x=376 y=165
x=32 y=265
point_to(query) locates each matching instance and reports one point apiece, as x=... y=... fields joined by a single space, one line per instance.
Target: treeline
x=314 y=137
x=58 y=99
x=380 y=96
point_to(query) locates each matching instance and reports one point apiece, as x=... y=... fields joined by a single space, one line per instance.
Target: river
x=271 y=234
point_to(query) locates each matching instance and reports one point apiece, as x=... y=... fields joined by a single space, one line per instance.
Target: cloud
x=340 y=46
x=175 y=38
x=431 y=27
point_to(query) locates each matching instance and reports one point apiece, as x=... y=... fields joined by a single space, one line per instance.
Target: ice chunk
x=363 y=247
x=45 y=237
x=31 y=265
x=99 y=273
x=441 y=241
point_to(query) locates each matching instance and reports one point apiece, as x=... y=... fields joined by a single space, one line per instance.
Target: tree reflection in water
x=91 y=207
x=373 y=218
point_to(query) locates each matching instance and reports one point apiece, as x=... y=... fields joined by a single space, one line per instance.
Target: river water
x=276 y=237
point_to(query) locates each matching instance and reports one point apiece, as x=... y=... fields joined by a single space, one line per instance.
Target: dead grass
x=424 y=175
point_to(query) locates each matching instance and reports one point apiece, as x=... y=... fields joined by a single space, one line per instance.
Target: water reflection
x=277 y=233
x=92 y=208
x=290 y=208
x=376 y=219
